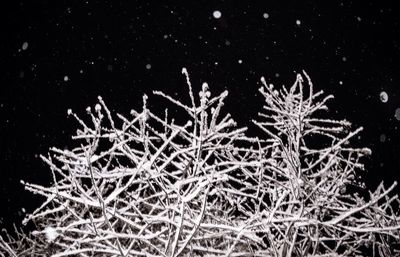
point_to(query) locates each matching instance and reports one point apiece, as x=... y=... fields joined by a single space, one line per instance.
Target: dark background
x=57 y=55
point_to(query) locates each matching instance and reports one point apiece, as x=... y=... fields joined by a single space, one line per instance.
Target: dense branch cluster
x=145 y=185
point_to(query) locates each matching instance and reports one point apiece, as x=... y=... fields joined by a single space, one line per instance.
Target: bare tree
x=145 y=185
x=315 y=202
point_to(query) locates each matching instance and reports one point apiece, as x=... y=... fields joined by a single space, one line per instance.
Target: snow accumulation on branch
x=145 y=185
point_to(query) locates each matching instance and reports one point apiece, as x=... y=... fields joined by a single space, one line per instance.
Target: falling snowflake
x=382 y=138
x=51 y=234
x=397 y=114
x=25 y=46
x=217 y=14
x=384 y=97
x=298 y=22
x=66 y=78
x=240 y=61
x=265 y=15
x=148 y=66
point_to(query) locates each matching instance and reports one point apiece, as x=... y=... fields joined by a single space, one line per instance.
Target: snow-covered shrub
x=146 y=185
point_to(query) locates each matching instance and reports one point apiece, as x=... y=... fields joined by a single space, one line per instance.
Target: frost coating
x=97 y=107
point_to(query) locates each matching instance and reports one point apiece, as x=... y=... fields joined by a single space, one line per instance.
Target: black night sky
x=57 y=55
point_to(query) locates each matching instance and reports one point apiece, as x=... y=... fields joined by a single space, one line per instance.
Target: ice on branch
x=147 y=185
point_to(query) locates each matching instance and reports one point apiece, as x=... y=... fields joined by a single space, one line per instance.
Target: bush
x=145 y=185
